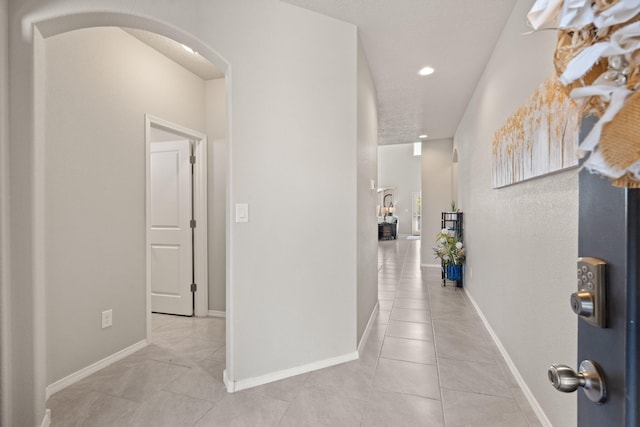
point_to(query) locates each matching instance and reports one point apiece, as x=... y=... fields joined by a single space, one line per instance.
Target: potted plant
x=453 y=213
x=451 y=252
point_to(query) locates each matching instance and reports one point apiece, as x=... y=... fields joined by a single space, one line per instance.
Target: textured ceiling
x=456 y=37
x=174 y=51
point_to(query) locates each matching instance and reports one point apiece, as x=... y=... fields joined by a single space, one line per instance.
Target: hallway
x=428 y=361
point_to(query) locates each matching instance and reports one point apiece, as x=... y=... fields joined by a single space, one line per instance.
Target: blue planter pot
x=454 y=272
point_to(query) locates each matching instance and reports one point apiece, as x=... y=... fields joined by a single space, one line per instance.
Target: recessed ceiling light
x=426 y=71
x=423 y=136
x=188 y=49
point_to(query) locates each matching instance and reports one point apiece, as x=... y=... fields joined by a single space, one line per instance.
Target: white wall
x=5 y=306
x=95 y=186
x=292 y=142
x=522 y=239
x=367 y=197
x=293 y=149
x=437 y=165
x=399 y=168
x=216 y=122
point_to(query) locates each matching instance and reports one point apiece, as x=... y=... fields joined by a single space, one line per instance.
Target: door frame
x=201 y=306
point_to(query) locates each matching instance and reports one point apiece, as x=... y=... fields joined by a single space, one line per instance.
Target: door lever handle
x=589 y=377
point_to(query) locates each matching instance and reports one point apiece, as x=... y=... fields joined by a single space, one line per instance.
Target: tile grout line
x=435 y=349
x=384 y=337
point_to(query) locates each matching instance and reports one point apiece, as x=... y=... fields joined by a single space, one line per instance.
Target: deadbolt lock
x=582 y=303
x=589 y=302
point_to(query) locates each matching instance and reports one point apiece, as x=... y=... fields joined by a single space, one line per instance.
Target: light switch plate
x=242 y=212
x=107 y=318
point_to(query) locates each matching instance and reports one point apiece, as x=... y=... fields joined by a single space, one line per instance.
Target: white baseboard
x=229 y=385
x=233 y=386
x=217 y=313
x=367 y=330
x=438 y=266
x=95 y=367
x=46 y=421
x=542 y=417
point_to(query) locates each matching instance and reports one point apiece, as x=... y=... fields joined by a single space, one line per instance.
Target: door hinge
x=192 y=159
x=192 y=223
x=194 y=287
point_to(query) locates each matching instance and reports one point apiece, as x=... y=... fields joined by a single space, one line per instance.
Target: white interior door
x=170 y=234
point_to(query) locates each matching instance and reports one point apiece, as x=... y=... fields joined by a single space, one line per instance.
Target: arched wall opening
x=454 y=176
x=43 y=32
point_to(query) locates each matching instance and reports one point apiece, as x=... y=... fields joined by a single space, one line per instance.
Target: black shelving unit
x=453 y=221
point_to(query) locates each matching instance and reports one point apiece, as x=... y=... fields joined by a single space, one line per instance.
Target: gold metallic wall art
x=540 y=138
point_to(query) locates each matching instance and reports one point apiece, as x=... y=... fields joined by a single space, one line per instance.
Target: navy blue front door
x=609 y=221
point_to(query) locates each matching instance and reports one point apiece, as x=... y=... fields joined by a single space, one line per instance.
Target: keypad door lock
x=589 y=302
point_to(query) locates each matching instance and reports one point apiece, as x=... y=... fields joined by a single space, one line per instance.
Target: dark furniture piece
x=452 y=221
x=387 y=231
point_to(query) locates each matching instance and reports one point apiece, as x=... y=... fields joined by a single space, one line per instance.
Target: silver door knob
x=565 y=379
x=589 y=377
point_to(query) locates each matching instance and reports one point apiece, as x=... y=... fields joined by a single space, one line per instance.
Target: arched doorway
x=454 y=175
x=42 y=31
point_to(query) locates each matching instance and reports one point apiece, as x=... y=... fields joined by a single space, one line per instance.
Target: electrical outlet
x=107 y=318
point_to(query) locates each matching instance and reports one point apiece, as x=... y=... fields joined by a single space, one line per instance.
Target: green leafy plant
x=454 y=208
x=449 y=248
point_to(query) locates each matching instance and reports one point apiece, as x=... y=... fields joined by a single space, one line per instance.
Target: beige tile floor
x=429 y=361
